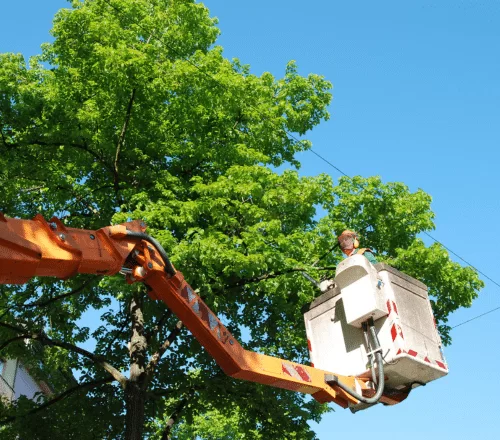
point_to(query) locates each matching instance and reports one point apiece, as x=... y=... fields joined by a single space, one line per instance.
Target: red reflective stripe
x=303 y=373
x=296 y=371
x=395 y=307
x=441 y=365
x=394 y=332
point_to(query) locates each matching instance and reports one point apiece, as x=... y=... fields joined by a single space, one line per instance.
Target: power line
x=477 y=317
x=324 y=160
x=466 y=262
x=218 y=83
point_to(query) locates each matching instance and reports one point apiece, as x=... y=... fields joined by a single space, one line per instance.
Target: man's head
x=348 y=241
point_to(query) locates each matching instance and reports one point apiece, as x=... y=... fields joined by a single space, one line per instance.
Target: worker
x=349 y=244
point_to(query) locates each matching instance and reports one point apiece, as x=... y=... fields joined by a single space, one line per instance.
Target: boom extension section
x=36 y=248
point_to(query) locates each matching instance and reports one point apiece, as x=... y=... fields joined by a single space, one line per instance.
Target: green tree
x=133 y=112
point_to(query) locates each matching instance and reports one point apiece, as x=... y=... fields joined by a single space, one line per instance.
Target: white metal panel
x=357 y=279
x=334 y=348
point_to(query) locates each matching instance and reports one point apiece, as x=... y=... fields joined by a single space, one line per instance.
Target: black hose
x=168 y=265
x=381 y=378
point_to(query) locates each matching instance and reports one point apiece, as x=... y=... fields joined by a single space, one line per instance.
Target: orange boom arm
x=30 y=248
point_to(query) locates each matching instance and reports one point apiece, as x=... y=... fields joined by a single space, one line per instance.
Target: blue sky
x=416 y=99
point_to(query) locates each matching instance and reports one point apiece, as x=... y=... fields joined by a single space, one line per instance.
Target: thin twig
x=82 y=147
x=62 y=296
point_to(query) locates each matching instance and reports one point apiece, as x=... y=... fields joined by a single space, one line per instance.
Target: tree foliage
x=133 y=112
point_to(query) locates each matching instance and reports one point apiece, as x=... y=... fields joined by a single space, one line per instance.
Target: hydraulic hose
x=381 y=378
x=141 y=235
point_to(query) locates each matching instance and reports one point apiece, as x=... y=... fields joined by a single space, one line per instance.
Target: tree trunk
x=135 y=400
x=135 y=394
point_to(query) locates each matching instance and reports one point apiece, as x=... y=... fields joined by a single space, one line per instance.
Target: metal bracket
x=371 y=353
x=331 y=379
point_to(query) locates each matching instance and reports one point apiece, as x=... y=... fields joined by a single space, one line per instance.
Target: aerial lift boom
x=37 y=248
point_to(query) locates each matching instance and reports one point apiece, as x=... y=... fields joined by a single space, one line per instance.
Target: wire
x=466 y=262
x=325 y=160
x=218 y=83
x=477 y=270
x=477 y=317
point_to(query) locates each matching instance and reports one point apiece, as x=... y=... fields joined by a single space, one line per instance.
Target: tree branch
x=62 y=296
x=159 y=393
x=175 y=415
x=121 y=140
x=45 y=340
x=82 y=147
x=158 y=326
x=14 y=339
x=161 y=351
x=13 y=306
x=180 y=390
x=79 y=199
x=77 y=388
x=35 y=188
x=117 y=335
x=269 y=276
